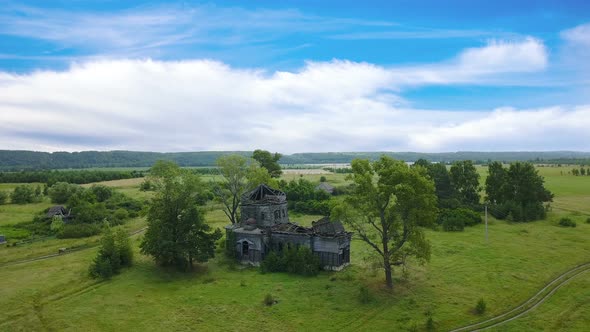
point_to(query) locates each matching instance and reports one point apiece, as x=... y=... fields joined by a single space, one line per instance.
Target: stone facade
x=265 y=227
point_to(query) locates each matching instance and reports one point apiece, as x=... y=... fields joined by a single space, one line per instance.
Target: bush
x=115 y=252
x=57 y=224
x=588 y=220
x=567 y=222
x=364 y=294
x=456 y=219
x=24 y=194
x=61 y=192
x=3 y=197
x=269 y=300
x=120 y=214
x=292 y=260
x=322 y=178
x=70 y=231
x=480 y=307
x=430 y=325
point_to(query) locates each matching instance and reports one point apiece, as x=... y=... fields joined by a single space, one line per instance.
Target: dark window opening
x=245 y=248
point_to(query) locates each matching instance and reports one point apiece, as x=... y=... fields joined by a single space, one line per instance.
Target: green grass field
x=517 y=260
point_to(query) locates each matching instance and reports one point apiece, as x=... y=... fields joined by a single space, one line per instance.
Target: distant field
x=56 y=294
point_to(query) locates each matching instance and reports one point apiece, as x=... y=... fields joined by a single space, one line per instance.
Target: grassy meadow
x=515 y=261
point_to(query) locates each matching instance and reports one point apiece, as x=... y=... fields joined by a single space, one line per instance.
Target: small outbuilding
x=325 y=186
x=58 y=211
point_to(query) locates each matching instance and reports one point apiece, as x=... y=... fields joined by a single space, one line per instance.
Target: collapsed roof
x=263 y=194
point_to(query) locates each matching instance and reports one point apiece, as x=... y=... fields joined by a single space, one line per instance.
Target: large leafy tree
x=389 y=203
x=269 y=161
x=465 y=182
x=177 y=233
x=238 y=175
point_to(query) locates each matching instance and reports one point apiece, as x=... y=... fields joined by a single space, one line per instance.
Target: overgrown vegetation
x=567 y=222
x=304 y=198
x=115 y=252
x=480 y=307
x=456 y=219
x=295 y=260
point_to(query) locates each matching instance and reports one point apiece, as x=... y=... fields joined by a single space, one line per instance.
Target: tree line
x=70 y=176
x=21 y=160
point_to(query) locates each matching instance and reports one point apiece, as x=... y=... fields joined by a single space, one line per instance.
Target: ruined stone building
x=265 y=226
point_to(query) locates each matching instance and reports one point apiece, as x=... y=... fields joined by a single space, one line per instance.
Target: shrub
x=57 y=224
x=588 y=220
x=269 y=300
x=292 y=260
x=322 y=178
x=567 y=222
x=24 y=194
x=3 y=197
x=480 y=307
x=120 y=214
x=364 y=294
x=115 y=252
x=430 y=326
x=62 y=191
x=70 y=231
x=456 y=219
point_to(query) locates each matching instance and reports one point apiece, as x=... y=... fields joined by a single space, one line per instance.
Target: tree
x=24 y=194
x=496 y=183
x=61 y=192
x=389 y=203
x=518 y=191
x=442 y=182
x=239 y=174
x=234 y=170
x=114 y=253
x=527 y=191
x=465 y=182
x=269 y=161
x=177 y=233
x=3 y=197
x=582 y=171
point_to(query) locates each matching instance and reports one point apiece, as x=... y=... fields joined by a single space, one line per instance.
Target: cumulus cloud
x=324 y=106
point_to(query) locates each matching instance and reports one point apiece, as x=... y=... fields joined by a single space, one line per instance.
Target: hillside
x=17 y=160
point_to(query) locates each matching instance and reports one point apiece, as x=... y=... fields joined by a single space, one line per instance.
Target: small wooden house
x=58 y=211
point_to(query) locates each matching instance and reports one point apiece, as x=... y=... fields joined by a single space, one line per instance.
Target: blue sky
x=295 y=76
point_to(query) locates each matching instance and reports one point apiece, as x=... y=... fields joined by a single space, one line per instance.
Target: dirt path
x=532 y=303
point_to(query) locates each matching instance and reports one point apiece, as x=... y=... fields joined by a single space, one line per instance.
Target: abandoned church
x=265 y=227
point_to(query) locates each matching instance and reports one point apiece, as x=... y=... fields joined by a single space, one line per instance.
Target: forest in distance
x=16 y=160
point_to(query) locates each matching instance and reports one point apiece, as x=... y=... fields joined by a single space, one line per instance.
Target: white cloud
x=496 y=60
x=578 y=35
x=207 y=105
